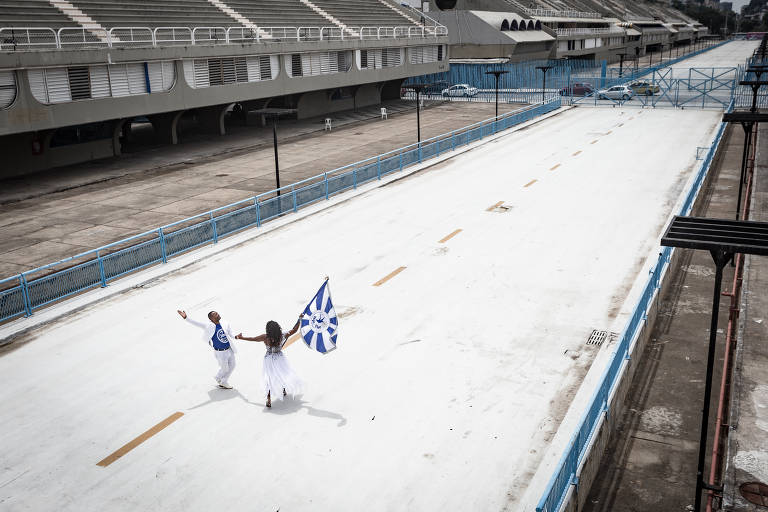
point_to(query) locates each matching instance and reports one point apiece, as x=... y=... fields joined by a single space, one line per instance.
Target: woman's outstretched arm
x=295 y=327
x=260 y=337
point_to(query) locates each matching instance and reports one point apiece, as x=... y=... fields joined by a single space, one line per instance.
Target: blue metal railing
x=576 y=450
x=31 y=290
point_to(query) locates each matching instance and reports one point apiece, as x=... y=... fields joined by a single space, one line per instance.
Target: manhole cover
x=755 y=492
x=598 y=337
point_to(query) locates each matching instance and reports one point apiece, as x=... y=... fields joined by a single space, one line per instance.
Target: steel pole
x=418 y=117
x=747 y=141
x=721 y=258
x=277 y=163
x=497 y=95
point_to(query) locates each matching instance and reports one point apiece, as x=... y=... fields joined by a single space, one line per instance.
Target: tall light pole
x=544 y=70
x=274 y=114
x=417 y=88
x=621 y=63
x=497 y=73
x=637 y=57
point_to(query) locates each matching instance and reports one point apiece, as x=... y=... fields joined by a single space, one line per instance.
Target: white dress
x=278 y=374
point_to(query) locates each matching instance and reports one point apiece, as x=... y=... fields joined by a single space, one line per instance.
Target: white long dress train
x=278 y=374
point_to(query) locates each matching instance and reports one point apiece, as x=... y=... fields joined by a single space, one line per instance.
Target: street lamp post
x=497 y=73
x=544 y=70
x=277 y=160
x=621 y=63
x=417 y=88
x=637 y=57
x=274 y=114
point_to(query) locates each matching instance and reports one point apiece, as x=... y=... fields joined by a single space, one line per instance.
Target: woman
x=277 y=372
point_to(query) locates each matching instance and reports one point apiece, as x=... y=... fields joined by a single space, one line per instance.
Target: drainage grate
x=755 y=492
x=598 y=337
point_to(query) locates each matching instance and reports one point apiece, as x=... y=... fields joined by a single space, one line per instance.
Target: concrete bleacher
x=278 y=13
x=32 y=13
x=155 y=13
x=364 y=13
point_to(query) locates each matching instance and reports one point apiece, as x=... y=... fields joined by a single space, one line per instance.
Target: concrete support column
x=211 y=119
x=166 y=126
x=117 y=129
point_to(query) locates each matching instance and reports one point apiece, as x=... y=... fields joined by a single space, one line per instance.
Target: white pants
x=226 y=359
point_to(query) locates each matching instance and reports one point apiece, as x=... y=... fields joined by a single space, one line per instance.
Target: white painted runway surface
x=450 y=379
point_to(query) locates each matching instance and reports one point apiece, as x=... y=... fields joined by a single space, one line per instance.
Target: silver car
x=460 y=90
x=617 y=92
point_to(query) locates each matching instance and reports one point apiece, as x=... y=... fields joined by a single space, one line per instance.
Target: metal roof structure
x=731 y=236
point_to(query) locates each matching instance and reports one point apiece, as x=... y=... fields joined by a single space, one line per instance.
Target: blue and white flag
x=319 y=325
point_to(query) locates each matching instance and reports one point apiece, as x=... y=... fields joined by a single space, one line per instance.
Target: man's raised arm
x=183 y=314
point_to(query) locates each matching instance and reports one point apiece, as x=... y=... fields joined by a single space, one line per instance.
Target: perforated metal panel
x=57 y=85
x=162 y=76
x=7 y=88
x=100 y=82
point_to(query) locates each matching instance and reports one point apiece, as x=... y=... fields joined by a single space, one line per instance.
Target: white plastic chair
x=384 y=113
x=328 y=126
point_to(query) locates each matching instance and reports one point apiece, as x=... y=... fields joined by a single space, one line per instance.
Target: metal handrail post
x=162 y=244
x=101 y=270
x=215 y=231
x=25 y=294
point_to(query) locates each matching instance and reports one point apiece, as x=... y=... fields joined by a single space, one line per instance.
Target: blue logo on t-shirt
x=219 y=339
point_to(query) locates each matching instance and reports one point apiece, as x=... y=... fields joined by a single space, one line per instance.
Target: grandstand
x=583 y=29
x=110 y=62
x=32 y=13
x=155 y=13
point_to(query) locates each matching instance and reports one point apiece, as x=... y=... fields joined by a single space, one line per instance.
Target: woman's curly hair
x=274 y=334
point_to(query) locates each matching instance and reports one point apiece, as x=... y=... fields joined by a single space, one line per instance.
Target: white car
x=617 y=92
x=465 y=90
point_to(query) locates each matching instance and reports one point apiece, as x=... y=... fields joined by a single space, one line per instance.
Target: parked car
x=460 y=90
x=646 y=88
x=436 y=87
x=617 y=92
x=577 y=89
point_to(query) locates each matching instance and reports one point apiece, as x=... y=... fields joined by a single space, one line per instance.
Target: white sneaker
x=225 y=385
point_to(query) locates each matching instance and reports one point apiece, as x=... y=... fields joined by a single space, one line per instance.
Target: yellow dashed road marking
x=530 y=183
x=136 y=442
x=388 y=277
x=450 y=236
x=491 y=208
x=577 y=153
x=594 y=141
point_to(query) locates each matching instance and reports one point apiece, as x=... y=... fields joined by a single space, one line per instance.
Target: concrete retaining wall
x=617 y=403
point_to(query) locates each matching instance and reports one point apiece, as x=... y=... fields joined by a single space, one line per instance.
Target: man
x=218 y=335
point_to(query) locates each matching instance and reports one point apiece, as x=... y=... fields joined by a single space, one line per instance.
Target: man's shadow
x=219 y=394
x=290 y=405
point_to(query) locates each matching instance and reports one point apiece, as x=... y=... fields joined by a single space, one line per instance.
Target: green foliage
x=714 y=19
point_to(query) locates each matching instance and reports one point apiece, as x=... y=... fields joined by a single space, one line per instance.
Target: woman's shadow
x=292 y=405
x=286 y=406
